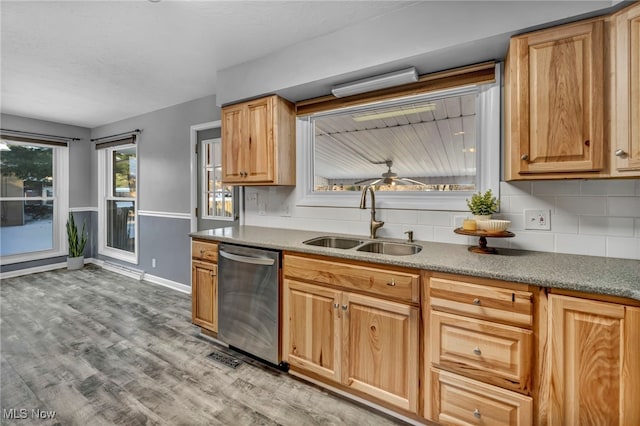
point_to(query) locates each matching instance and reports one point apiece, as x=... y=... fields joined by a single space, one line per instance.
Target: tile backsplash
x=590 y=217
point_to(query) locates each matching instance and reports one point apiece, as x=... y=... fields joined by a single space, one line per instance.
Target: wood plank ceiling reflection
x=439 y=142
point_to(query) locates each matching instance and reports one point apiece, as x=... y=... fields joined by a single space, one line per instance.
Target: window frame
x=105 y=183
x=203 y=182
x=488 y=162
x=60 y=207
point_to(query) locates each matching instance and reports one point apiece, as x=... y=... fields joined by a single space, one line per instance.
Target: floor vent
x=222 y=358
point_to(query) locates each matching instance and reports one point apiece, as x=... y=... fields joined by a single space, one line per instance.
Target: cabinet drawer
x=379 y=281
x=482 y=301
x=457 y=400
x=491 y=352
x=204 y=250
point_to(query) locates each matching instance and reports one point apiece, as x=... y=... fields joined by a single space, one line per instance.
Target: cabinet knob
x=476 y=301
x=524 y=157
x=476 y=413
x=336 y=305
x=201 y=252
x=477 y=351
x=587 y=143
x=344 y=307
x=621 y=153
x=392 y=283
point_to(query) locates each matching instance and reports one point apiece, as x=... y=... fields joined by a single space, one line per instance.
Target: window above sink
x=428 y=152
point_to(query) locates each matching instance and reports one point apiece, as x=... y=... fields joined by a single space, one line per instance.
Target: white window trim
x=104 y=173
x=203 y=185
x=487 y=160
x=193 y=168
x=61 y=210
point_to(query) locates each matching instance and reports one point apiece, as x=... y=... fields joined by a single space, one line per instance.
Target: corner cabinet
x=354 y=327
x=204 y=285
x=625 y=92
x=554 y=103
x=594 y=362
x=258 y=142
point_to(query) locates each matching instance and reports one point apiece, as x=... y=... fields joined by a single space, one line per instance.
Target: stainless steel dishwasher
x=249 y=299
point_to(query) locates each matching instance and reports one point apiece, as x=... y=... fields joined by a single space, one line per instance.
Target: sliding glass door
x=32 y=201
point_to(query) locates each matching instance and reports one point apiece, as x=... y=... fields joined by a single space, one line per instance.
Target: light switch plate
x=537 y=219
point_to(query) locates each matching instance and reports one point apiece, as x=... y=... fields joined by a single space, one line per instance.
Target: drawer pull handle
x=476 y=302
x=477 y=351
x=476 y=413
x=392 y=283
x=344 y=307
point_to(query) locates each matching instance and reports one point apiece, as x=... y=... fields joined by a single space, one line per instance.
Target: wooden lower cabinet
x=311 y=328
x=594 y=363
x=362 y=343
x=380 y=353
x=458 y=400
x=204 y=297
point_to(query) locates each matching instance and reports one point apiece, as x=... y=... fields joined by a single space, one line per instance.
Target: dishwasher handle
x=246 y=259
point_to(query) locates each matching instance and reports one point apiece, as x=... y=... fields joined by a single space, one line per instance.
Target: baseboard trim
x=33 y=270
x=136 y=274
x=167 y=283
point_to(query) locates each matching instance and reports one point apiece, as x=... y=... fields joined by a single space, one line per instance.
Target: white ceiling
x=95 y=62
x=90 y=63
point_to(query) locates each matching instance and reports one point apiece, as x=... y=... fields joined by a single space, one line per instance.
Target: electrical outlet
x=252 y=197
x=153 y=262
x=537 y=219
x=262 y=209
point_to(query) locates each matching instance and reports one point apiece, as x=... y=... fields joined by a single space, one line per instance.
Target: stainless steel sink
x=392 y=249
x=334 y=242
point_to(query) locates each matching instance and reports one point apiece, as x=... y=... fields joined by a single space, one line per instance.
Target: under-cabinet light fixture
x=408 y=75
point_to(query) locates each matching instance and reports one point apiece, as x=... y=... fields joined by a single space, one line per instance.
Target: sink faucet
x=374 y=225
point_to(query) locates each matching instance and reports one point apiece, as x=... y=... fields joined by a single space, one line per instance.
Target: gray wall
x=164 y=168
x=164 y=179
x=429 y=35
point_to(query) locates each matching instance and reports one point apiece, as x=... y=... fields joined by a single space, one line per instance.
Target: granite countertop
x=600 y=275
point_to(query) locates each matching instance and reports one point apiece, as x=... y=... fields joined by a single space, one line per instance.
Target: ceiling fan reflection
x=389 y=177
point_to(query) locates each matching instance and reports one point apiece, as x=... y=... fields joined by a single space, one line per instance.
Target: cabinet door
x=233 y=157
x=557 y=124
x=594 y=364
x=204 y=295
x=311 y=333
x=259 y=149
x=626 y=99
x=380 y=351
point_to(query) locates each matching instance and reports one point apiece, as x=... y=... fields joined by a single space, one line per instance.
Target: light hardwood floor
x=101 y=349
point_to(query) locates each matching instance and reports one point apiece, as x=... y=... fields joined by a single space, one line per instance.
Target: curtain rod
x=131 y=132
x=20 y=132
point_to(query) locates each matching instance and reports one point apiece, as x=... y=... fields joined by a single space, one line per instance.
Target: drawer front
x=378 y=281
x=204 y=251
x=460 y=401
x=491 y=352
x=482 y=301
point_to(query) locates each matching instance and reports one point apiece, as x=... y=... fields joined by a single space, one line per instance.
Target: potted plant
x=483 y=205
x=77 y=241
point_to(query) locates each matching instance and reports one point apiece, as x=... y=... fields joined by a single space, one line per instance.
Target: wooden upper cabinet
x=554 y=83
x=593 y=363
x=258 y=142
x=625 y=92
